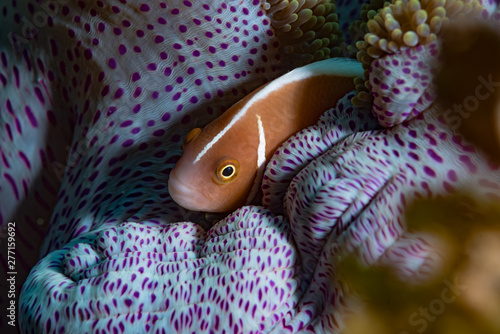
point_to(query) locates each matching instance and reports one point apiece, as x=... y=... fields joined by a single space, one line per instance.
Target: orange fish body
x=222 y=164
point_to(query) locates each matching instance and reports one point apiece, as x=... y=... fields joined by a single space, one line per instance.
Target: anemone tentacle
x=307 y=29
x=404 y=24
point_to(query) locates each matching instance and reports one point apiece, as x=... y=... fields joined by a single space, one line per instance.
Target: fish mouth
x=186 y=196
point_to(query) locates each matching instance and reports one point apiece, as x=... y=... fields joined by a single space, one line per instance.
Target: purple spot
x=12 y=184
x=25 y=160
x=452 y=175
x=122 y=49
x=399 y=140
x=137 y=92
x=39 y=95
x=160 y=154
x=96 y=117
x=434 y=156
x=112 y=63
x=31 y=117
x=126 y=123
x=118 y=93
x=159 y=133
x=414 y=156
x=128 y=143
x=111 y=111
x=429 y=171
x=151 y=67
x=144 y=8
x=105 y=91
x=468 y=163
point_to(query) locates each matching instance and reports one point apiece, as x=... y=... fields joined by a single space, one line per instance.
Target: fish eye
x=227 y=170
x=191 y=135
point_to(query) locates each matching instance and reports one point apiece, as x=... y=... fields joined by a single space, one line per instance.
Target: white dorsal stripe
x=344 y=67
x=261 y=160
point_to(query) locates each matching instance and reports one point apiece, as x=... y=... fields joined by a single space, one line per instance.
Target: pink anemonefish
x=222 y=164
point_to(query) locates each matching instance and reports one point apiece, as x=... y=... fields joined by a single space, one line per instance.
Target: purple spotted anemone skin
x=117 y=259
x=95 y=98
x=345 y=183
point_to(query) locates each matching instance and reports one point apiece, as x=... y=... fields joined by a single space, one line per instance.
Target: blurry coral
x=469 y=83
x=462 y=297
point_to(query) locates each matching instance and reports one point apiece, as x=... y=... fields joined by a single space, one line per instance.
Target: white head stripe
x=343 y=67
x=261 y=160
x=261 y=151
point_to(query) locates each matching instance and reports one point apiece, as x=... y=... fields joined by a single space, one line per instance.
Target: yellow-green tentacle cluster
x=358 y=29
x=307 y=29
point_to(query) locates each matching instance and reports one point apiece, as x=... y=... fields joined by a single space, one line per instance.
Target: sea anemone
x=401 y=25
x=98 y=96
